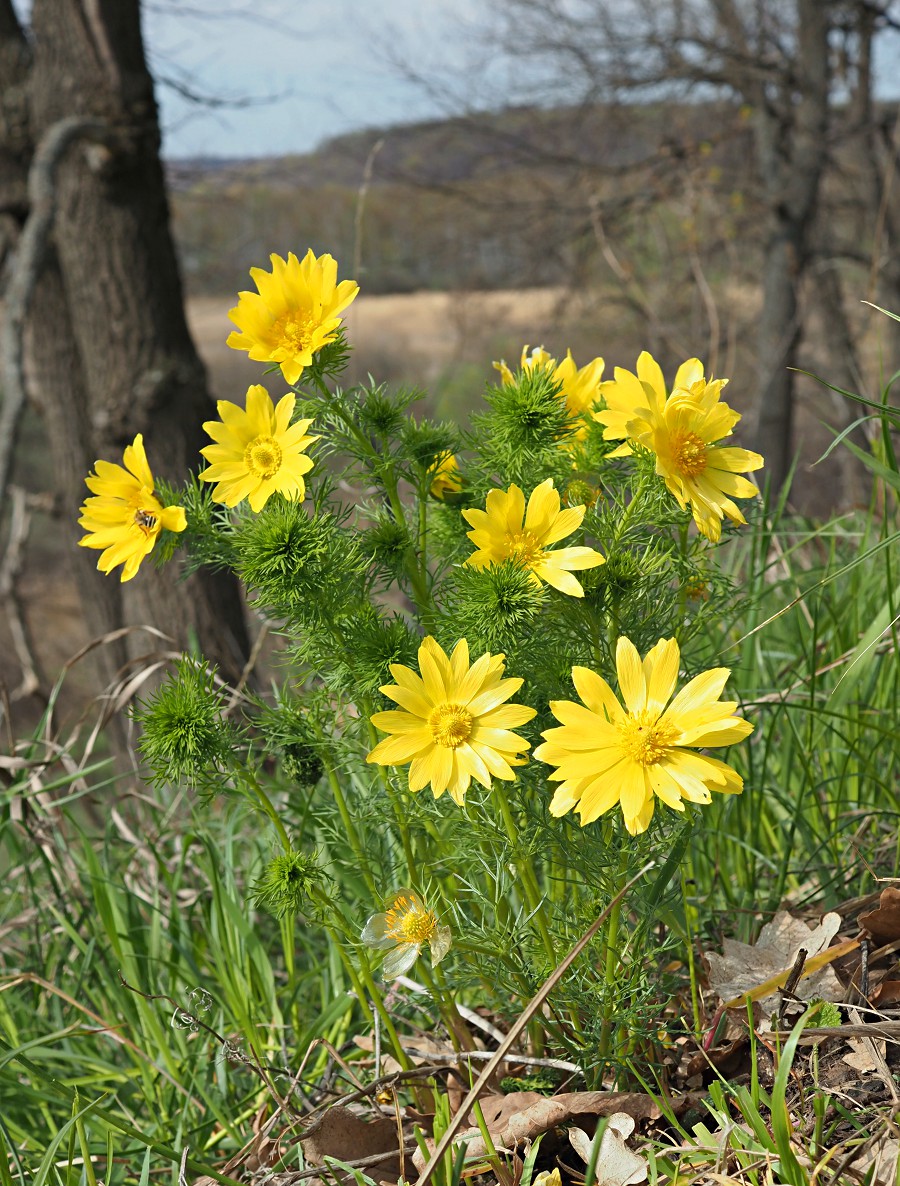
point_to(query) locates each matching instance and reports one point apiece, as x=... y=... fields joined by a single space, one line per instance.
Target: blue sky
x=325 y=67
x=292 y=73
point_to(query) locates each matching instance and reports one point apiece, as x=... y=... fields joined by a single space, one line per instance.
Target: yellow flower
x=406 y=926
x=454 y=725
x=445 y=477
x=682 y=431
x=500 y=534
x=125 y=518
x=257 y=451
x=579 y=388
x=538 y=358
x=294 y=314
x=606 y=754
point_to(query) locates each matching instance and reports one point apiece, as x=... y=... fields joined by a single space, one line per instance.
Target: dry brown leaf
x=883 y=1155
x=743 y=966
x=860 y=1055
x=417 y=1047
x=616 y=1164
x=341 y=1133
x=497 y=1110
x=883 y=923
x=524 y=1119
x=886 y=993
x=725 y=1060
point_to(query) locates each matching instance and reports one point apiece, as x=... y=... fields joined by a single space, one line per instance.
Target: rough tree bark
x=109 y=351
x=791 y=127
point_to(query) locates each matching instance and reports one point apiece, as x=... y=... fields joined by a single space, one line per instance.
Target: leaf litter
x=845 y=961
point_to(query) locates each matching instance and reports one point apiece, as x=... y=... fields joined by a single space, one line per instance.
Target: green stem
x=689 y=945
x=530 y=886
x=350 y=829
x=399 y=814
x=629 y=509
x=415 y=564
x=252 y=783
x=611 y=959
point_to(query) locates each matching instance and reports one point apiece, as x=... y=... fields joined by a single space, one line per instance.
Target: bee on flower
x=125 y=517
x=403 y=930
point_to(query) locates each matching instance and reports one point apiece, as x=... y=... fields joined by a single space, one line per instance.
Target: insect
x=145 y=520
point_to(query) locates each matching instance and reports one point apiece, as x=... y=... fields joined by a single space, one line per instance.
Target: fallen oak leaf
x=812 y=966
x=754 y=972
x=341 y=1134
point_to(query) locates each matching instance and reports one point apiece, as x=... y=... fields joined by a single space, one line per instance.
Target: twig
x=521 y=1022
x=368 y=169
x=10 y=569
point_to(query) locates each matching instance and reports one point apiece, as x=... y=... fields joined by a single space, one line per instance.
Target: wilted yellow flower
x=126 y=517
x=294 y=314
x=500 y=534
x=580 y=388
x=446 y=478
x=682 y=431
x=406 y=926
x=454 y=725
x=257 y=451
x=606 y=754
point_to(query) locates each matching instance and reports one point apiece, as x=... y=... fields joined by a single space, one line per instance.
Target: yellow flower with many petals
x=406 y=926
x=580 y=388
x=682 y=430
x=500 y=534
x=294 y=313
x=445 y=477
x=125 y=518
x=257 y=452
x=453 y=724
x=606 y=754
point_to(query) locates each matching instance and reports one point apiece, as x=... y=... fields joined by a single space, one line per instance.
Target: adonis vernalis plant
x=257 y=451
x=681 y=431
x=294 y=313
x=454 y=724
x=404 y=648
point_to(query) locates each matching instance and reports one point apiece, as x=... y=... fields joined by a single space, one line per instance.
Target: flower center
x=524 y=547
x=644 y=738
x=450 y=725
x=146 y=521
x=689 y=453
x=405 y=923
x=294 y=331
x=262 y=457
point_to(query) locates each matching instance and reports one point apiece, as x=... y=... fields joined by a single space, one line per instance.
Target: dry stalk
x=533 y=1006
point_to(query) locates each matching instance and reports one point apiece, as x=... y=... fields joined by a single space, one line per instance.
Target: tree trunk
x=110 y=351
x=791 y=147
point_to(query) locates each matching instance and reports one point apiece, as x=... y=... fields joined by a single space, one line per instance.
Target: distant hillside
x=496 y=201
